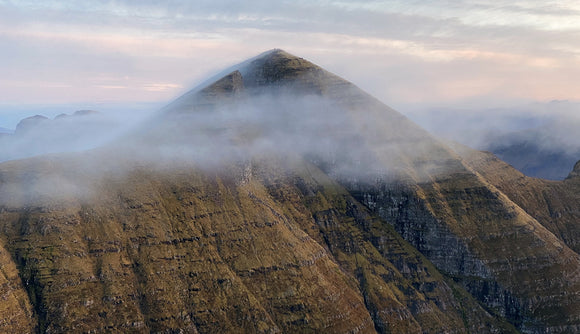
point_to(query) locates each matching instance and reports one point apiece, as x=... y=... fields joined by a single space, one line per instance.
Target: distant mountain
x=38 y=134
x=278 y=197
x=30 y=124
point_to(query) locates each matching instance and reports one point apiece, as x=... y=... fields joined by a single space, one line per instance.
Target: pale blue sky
x=404 y=52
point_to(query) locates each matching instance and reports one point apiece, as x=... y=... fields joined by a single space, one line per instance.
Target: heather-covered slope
x=16 y=310
x=157 y=251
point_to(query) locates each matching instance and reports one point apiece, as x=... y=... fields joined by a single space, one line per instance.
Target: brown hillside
x=253 y=248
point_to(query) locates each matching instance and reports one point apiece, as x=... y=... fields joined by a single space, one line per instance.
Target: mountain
x=278 y=197
x=30 y=123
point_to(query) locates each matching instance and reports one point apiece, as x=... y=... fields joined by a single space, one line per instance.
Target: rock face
x=282 y=198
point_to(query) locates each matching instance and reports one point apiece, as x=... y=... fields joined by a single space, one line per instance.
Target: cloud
x=400 y=51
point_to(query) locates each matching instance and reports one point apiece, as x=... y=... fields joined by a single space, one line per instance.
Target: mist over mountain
x=540 y=140
x=543 y=152
x=79 y=131
x=279 y=197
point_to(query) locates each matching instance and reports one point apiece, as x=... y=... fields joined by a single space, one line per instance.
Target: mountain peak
x=270 y=70
x=276 y=67
x=272 y=52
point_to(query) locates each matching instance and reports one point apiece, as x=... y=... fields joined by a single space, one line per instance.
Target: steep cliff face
x=503 y=256
x=281 y=198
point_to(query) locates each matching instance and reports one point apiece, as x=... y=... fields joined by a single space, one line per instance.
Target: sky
x=411 y=54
